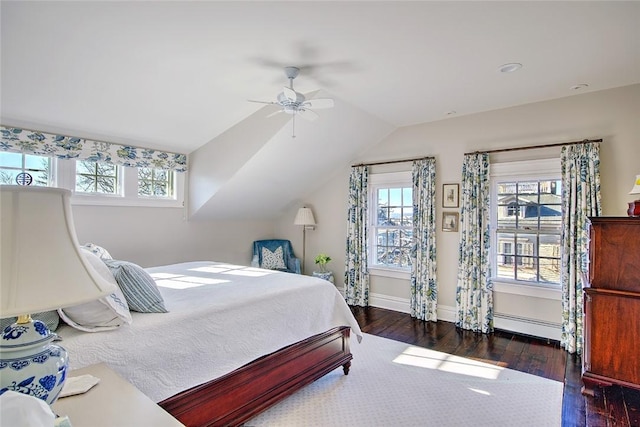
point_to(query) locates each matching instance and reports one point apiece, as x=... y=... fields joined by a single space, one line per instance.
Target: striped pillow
x=139 y=289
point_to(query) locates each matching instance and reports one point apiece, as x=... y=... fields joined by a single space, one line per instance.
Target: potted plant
x=322 y=260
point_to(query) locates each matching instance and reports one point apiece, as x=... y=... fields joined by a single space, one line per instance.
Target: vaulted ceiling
x=178 y=76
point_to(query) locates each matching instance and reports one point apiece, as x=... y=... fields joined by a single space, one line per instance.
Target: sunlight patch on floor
x=430 y=359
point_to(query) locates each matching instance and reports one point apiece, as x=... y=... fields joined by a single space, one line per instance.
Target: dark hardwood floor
x=612 y=406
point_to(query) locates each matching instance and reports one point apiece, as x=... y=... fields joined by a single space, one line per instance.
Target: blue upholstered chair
x=275 y=254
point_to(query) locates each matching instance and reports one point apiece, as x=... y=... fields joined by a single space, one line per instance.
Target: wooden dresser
x=612 y=305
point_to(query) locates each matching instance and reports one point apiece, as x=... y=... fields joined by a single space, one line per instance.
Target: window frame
x=378 y=181
x=534 y=170
x=63 y=175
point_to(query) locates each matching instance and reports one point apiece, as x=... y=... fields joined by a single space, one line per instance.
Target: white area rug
x=397 y=384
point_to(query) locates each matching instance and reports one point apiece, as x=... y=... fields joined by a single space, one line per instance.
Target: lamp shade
x=304 y=217
x=42 y=267
x=636 y=186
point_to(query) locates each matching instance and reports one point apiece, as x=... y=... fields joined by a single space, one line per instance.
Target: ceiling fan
x=295 y=103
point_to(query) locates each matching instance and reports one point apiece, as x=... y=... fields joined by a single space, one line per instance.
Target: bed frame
x=240 y=395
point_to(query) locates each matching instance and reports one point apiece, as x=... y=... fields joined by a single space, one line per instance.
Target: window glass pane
x=383 y=216
x=549 y=270
x=528 y=187
x=383 y=197
x=407 y=196
x=96 y=177
x=8 y=176
x=35 y=162
x=395 y=197
x=395 y=216
x=13 y=160
x=407 y=217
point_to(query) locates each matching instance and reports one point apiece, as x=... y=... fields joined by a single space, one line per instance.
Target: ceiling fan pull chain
x=293 y=121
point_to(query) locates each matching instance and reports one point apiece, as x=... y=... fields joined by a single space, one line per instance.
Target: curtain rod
x=392 y=161
x=532 y=147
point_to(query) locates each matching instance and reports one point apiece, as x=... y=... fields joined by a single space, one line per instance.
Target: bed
x=235 y=340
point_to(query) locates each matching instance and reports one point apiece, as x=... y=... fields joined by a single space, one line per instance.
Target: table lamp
x=42 y=268
x=634 y=207
x=305 y=218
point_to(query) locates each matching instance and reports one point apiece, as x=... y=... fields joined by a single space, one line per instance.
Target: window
x=526 y=222
x=155 y=183
x=391 y=212
x=97 y=183
x=13 y=164
x=97 y=177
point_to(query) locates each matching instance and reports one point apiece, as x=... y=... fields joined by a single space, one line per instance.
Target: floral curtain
x=580 y=200
x=67 y=147
x=356 y=275
x=474 y=293
x=424 y=289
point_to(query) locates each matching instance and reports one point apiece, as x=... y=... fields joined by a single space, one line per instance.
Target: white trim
x=538 y=169
x=445 y=313
x=523 y=325
x=394 y=273
x=551 y=292
x=390 y=303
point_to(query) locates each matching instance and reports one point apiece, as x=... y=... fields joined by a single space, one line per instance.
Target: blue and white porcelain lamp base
x=29 y=362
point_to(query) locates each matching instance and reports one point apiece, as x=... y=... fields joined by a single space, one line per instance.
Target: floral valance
x=68 y=147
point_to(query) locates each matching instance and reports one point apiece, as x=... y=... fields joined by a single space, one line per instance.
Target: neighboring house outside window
x=526 y=222
x=391 y=222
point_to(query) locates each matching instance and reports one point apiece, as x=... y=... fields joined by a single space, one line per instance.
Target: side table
x=112 y=402
x=326 y=275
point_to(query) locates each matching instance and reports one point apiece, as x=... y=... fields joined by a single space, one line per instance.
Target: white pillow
x=104 y=314
x=273 y=260
x=97 y=250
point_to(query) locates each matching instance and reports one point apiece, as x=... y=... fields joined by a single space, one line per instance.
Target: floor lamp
x=305 y=218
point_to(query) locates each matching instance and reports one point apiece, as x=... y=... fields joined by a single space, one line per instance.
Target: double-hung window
x=391 y=221
x=526 y=219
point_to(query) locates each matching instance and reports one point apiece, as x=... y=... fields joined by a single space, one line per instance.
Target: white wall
x=157 y=236
x=613 y=115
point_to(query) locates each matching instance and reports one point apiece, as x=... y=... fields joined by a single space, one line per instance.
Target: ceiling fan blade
x=308 y=114
x=274 y=113
x=262 y=102
x=290 y=94
x=319 y=103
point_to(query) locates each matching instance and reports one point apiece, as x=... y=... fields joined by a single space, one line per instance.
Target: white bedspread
x=221 y=317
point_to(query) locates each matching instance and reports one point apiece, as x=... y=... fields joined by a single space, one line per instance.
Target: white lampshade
x=42 y=265
x=304 y=217
x=636 y=186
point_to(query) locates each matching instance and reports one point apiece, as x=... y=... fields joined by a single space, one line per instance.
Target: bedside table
x=111 y=402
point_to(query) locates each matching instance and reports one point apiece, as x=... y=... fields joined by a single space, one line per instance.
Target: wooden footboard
x=236 y=397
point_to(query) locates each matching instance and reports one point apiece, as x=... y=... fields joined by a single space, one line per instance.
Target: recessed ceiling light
x=510 y=67
x=579 y=86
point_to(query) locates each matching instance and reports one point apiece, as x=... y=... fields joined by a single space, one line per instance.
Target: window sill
x=102 y=200
x=390 y=272
x=537 y=291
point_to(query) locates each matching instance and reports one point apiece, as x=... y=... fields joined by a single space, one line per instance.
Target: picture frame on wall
x=450 y=195
x=450 y=221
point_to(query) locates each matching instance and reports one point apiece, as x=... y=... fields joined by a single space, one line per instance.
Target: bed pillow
x=49 y=318
x=104 y=314
x=98 y=250
x=273 y=260
x=138 y=286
